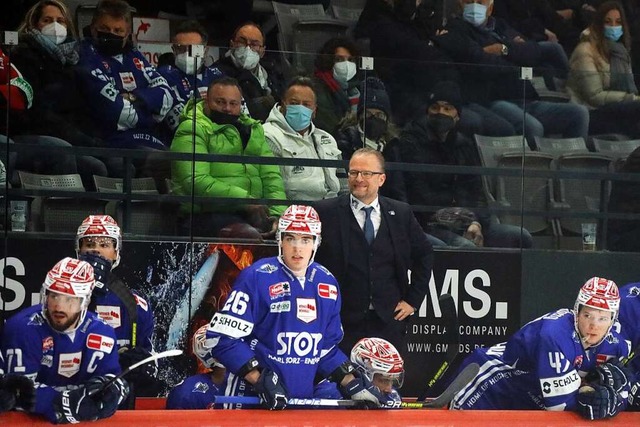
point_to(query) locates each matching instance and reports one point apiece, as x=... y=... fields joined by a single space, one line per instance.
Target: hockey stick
x=464 y=378
x=152 y=358
x=452 y=338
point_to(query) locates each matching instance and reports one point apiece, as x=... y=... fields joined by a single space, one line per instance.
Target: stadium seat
x=557 y=146
x=55 y=213
x=615 y=149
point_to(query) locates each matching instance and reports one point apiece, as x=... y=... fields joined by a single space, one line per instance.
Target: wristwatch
x=505 y=50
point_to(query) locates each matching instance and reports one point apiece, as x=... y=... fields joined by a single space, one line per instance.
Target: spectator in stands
x=538 y=21
x=220 y=128
x=495 y=52
x=434 y=139
x=601 y=77
x=16 y=95
x=260 y=81
x=409 y=62
x=47 y=55
x=291 y=133
x=336 y=82
x=373 y=127
x=126 y=96
x=188 y=70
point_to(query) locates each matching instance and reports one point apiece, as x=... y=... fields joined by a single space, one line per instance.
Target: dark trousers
x=373 y=326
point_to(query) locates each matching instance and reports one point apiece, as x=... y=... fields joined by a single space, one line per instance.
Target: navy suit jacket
x=412 y=251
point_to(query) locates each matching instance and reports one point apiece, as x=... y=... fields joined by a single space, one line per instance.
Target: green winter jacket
x=220 y=179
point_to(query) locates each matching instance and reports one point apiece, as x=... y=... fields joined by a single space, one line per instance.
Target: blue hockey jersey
x=540 y=367
x=289 y=327
x=181 y=86
x=105 y=79
x=629 y=317
x=113 y=311
x=55 y=360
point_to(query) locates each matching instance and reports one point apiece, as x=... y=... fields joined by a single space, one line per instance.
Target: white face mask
x=344 y=71
x=245 y=58
x=186 y=63
x=56 y=32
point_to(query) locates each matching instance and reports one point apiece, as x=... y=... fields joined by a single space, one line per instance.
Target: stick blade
x=464 y=377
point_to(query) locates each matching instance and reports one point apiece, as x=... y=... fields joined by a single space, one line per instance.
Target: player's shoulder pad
x=323 y=269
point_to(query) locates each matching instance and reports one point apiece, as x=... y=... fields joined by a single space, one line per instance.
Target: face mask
x=298 y=117
x=613 y=32
x=245 y=58
x=221 y=118
x=188 y=64
x=441 y=123
x=109 y=44
x=374 y=127
x=344 y=71
x=55 y=31
x=475 y=14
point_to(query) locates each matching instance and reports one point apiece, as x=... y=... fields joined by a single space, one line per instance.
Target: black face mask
x=441 y=123
x=223 y=118
x=109 y=44
x=374 y=127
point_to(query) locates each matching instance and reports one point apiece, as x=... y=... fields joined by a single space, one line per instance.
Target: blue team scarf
x=65 y=53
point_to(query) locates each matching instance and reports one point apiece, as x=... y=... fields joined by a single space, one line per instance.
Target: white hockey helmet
x=300 y=219
x=100 y=226
x=377 y=356
x=202 y=351
x=599 y=293
x=70 y=277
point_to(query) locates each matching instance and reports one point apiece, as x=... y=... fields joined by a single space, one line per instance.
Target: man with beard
x=68 y=352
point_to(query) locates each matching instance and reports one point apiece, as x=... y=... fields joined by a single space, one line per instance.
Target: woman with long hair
x=600 y=75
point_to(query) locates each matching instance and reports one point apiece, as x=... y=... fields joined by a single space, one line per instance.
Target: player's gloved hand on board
x=129 y=356
x=612 y=373
x=73 y=406
x=271 y=390
x=634 y=397
x=16 y=391
x=602 y=402
x=101 y=270
x=361 y=389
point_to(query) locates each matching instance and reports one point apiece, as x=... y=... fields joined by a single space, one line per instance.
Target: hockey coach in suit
x=370 y=243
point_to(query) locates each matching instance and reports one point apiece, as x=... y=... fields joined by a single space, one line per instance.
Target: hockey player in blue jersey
x=16 y=391
x=188 y=70
x=381 y=363
x=99 y=242
x=280 y=325
x=629 y=319
x=126 y=96
x=544 y=364
x=67 y=351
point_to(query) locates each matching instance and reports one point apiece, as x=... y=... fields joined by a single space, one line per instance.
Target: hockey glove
x=101 y=270
x=271 y=390
x=130 y=356
x=614 y=374
x=16 y=391
x=602 y=402
x=73 y=406
x=634 y=397
x=361 y=389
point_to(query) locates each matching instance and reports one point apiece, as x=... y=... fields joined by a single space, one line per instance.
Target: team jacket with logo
x=105 y=79
x=113 y=312
x=540 y=367
x=182 y=88
x=292 y=329
x=55 y=360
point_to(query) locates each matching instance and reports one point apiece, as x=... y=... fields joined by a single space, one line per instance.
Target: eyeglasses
x=365 y=174
x=254 y=45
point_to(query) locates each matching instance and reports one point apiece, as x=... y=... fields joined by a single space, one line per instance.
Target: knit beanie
x=374 y=95
x=446 y=91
